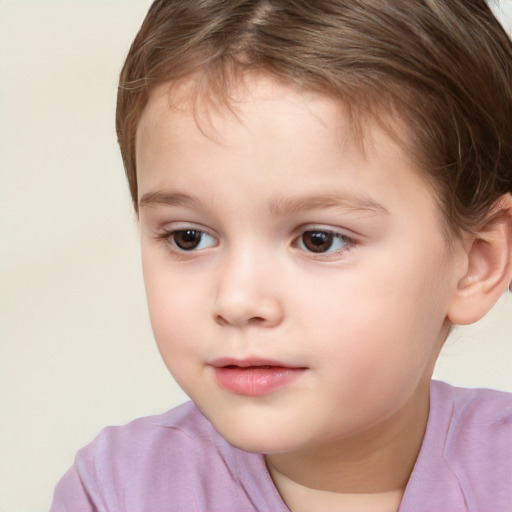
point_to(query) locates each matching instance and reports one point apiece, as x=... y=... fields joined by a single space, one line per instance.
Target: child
x=324 y=188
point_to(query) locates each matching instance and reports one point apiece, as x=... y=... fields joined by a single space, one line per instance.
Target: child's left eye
x=321 y=241
x=190 y=240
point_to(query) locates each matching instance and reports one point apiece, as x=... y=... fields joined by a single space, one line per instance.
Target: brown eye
x=317 y=241
x=190 y=239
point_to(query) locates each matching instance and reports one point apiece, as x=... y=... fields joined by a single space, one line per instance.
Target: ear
x=488 y=270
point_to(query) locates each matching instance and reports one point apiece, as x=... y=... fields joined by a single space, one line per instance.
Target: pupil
x=187 y=239
x=316 y=241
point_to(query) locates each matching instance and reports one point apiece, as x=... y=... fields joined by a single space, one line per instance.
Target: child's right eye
x=190 y=239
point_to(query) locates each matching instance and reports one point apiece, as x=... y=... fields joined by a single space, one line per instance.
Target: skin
x=366 y=318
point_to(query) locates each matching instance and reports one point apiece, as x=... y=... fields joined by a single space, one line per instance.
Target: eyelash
x=329 y=236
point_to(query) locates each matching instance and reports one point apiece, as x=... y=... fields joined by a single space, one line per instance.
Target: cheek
x=385 y=317
x=174 y=310
x=174 y=303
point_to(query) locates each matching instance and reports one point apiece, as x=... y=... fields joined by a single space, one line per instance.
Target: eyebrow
x=280 y=206
x=164 y=198
x=344 y=201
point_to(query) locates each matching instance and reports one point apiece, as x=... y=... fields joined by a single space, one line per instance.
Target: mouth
x=254 y=377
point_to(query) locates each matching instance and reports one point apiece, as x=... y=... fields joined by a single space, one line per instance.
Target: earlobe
x=489 y=267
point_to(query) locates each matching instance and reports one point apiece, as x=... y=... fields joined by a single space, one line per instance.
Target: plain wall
x=76 y=349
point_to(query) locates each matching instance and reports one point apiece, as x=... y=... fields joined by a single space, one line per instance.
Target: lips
x=254 y=377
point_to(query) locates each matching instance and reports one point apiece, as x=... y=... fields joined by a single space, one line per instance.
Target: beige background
x=76 y=350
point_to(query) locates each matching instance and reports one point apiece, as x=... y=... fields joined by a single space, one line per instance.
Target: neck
x=302 y=499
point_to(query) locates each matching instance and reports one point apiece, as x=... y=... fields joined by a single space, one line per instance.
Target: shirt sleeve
x=87 y=486
x=71 y=494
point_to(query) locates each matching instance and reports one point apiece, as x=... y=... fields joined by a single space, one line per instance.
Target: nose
x=247 y=293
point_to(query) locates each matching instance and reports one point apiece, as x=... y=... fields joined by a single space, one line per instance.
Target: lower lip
x=255 y=381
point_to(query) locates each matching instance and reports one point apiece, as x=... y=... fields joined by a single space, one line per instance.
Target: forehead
x=260 y=115
x=212 y=110
x=290 y=133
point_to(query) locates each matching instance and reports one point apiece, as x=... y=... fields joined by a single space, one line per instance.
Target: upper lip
x=250 y=362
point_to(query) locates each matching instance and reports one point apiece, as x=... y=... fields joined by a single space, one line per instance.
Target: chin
x=259 y=444
x=258 y=438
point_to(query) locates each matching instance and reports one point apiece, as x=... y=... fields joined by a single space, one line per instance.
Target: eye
x=190 y=239
x=319 y=241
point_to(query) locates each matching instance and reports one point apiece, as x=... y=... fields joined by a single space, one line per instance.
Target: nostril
x=219 y=319
x=256 y=320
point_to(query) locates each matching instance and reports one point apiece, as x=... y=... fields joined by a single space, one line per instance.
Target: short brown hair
x=444 y=66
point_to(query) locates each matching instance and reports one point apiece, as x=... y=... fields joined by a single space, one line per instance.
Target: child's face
x=298 y=288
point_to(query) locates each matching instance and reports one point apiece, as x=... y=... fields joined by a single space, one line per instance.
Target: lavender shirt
x=177 y=462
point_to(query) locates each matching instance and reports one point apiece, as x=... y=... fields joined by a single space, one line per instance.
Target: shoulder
x=477 y=422
x=470 y=409
x=170 y=462
x=465 y=462
x=179 y=443
x=146 y=461
x=474 y=429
